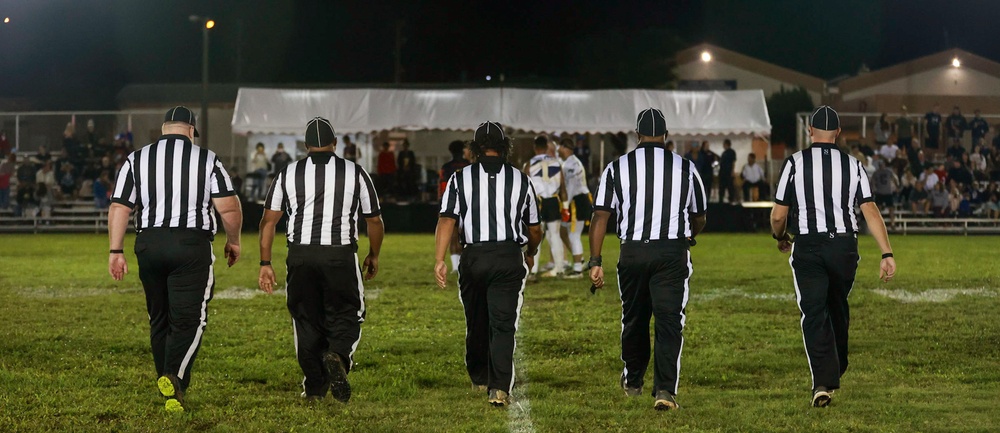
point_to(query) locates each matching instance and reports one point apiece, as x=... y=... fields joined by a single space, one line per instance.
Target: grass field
x=74 y=350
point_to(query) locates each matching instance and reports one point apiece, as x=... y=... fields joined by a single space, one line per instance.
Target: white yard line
x=519 y=412
x=934 y=295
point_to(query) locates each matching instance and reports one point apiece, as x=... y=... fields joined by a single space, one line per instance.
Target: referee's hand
x=232 y=253
x=117 y=266
x=370 y=267
x=597 y=276
x=887 y=269
x=441 y=273
x=266 y=279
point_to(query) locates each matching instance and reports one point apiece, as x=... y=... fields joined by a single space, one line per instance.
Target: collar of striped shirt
x=175 y=136
x=491 y=164
x=321 y=157
x=825 y=145
x=652 y=144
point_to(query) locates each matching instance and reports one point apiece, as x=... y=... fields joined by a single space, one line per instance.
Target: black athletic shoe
x=337 y=375
x=821 y=397
x=498 y=398
x=665 y=401
x=631 y=391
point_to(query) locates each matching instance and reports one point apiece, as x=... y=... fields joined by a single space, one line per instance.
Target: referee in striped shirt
x=494 y=203
x=660 y=202
x=324 y=196
x=820 y=186
x=174 y=187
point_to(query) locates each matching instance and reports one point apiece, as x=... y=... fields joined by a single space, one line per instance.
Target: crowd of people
x=85 y=169
x=941 y=178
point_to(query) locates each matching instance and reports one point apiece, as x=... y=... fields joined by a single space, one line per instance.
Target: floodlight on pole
x=956 y=63
x=206 y=24
x=706 y=56
x=6 y=20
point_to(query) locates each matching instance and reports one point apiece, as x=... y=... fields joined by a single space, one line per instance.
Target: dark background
x=62 y=54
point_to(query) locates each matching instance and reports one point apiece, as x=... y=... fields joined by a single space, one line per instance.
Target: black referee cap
x=825 y=118
x=181 y=113
x=651 y=123
x=319 y=133
x=488 y=130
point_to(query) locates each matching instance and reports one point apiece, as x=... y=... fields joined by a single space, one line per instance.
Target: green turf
x=74 y=350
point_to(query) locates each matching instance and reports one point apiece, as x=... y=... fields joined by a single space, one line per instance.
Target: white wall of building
x=944 y=81
x=745 y=79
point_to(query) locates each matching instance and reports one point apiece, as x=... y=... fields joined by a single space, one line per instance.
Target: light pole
x=206 y=24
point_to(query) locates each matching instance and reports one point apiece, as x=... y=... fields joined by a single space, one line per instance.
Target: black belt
x=652 y=242
x=492 y=244
x=351 y=247
x=828 y=235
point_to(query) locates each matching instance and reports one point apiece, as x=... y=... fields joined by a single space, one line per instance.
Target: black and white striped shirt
x=654 y=192
x=170 y=183
x=492 y=201
x=323 y=195
x=822 y=185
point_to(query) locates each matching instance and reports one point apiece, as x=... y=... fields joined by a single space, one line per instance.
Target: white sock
x=556 y=245
x=578 y=266
x=538 y=256
x=454 y=261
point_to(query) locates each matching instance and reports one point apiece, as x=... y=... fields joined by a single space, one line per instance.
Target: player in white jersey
x=579 y=203
x=545 y=173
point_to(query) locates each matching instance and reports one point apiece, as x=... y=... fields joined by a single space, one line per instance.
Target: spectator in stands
x=955 y=150
x=929 y=178
x=727 y=166
x=26 y=172
x=582 y=152
x=670 y=145
x=906 y=183
x=280 y=159
x=867 y=150
x=991 y=209
x=899 y=163
x=4 y=144
x=956 y=126
x=386 y=170
x=707 y=160
x=43 y=155
x=72 y=150
x=882 y=131
x=259 y=167
x=978 y=127
x=47 y=176
x=26 y=203
x=6 y=173
x=940 y=200
x=904 y=129
x=120 y=151
x=976 y=162
x=932 y=120
x=67 y=179
x=885 y=184
x=888 y=151
x=960 y=173
x=102 y=191
x=406 y=171
x=942 y=173
x=919 y=199
x=237 y=182
x=351 y=151
x=753 y=177
x=43 y=195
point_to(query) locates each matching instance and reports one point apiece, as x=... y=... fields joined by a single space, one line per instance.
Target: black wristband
x=783 y=238
x=886 y=255
x=117 y=251
x=594 y=261
x=265 y=263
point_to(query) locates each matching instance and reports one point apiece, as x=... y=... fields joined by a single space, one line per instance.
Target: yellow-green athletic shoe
x=170 y=388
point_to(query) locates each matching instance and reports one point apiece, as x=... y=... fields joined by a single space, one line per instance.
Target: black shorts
x=582 y=209
x=885 y=200
x=550 y=210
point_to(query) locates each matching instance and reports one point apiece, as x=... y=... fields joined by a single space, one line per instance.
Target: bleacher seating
x=67 y=216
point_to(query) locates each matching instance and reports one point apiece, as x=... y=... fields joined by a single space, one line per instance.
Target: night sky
x=77 y=54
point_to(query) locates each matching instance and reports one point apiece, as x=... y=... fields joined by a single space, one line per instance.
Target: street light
x=6 y=20
x=706 y=56
x=956 y=63
x=207 y=24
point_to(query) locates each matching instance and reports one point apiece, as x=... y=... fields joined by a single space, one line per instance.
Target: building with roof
x=709 y=67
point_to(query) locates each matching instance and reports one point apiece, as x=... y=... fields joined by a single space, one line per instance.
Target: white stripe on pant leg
x=519 y=415
x=687 y=290
x=204 y=316
x=802 y=321
x=621 y=336
x=361 y=312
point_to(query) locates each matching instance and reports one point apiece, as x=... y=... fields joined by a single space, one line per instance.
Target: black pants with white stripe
x=326 y=301
x=491 y=286
x=653 y=281
x=176 y=270
x=824 y=270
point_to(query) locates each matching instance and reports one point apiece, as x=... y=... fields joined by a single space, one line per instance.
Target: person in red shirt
x=386 y=169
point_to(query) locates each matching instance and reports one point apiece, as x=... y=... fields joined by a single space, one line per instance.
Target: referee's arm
x=225 y=200
x=604 y=203
x=122 y=202
x=272 y=214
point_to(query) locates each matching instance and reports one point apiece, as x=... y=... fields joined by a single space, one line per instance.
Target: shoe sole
x=821 y=399
x=173 y=406
x=339 y=387
x=664 y=405
x=498 y=403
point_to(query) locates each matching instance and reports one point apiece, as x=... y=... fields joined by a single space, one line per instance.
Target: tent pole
x=602 y=153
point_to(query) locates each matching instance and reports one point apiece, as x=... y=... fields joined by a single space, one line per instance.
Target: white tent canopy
x=286 y=111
